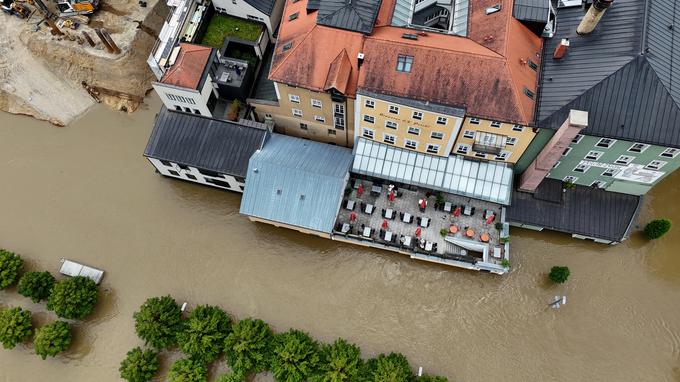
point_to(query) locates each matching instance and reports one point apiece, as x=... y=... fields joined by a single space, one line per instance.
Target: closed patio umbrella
x=423 y=203
x=490 y=219
x=391 y=196
x=352 y=216
x=384 y=224
x=457 y=212
x=418 y=232
x=360 y=189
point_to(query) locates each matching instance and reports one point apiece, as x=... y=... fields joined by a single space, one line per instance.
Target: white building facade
x=200 y=176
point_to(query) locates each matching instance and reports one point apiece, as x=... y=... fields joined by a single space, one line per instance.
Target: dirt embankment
x=42 y=74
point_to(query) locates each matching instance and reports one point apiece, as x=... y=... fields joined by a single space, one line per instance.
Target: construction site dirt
x=56 y=71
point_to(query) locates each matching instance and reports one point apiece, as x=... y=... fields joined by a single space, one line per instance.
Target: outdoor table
x=369 y=209
x=424 y=221
x=350 y=205
x=407 y=218
x=389 y=213
x=345 y=228
x=467 y=211
x=407 y=241
x=367 y=232
x=469 y=233
x=453 y=229
x=428 y=246
x=497 y=252
x=376 y=189
x=447 y=206
x=484 y=237
x=388 y=236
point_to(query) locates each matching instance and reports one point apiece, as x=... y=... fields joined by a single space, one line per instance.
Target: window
x=480 y=155
x=417 y=115
x=394 y=109
x=173 y=172
x=474 y=121
x=624 y=159
x=495 y=124
x=287 y=47
x=511 y=141
x=267 y=115
x=213 y=174
x=190 y=176
x=463 y=149
x=219 y=183
x=388 y=138
x=293 y=16
x=368 y=133
x=178 y=108
x=391 y=125
x=339 y=108
x=409 y=144
x=517 y=128
x=413 y=130
x=609 y=172
x=581 y=168
x=297 y=113
x=570 y=179
x=670 y=153
x=369 y=103
x=598 y=184
x=532 y=65
x=369 y=118
x=303 y=126
x=316 y=103
x=196 y=111
x=556 y=164
x=594 y=155
x=183 y=166
x=655 y=164
x=638 y=148
x=437 y=135
x=504 y=155
x=319 y=118
x=166 y=163
x=469 y=134
x=432 y=149
x=566 y=151
x=404 y=63
x=577 y=138
x=188 y=110
x=605 y=142
x=441 y=120
x=294 y=98
x=529 y=93
x=331 y=132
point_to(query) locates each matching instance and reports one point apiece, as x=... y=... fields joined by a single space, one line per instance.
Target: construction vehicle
x=11 y=7
x=76 y=7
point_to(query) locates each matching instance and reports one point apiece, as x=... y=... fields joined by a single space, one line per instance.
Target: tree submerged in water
x=36 y=285
x=295 y=356
x=202 y=337
x=339 y=362
x=158 y=321
x=657 y=228
x=52 y=339
x=389 y=368
x=559 y=274
x=73 y=298
x=248 y=347
x=15 y=327
x=188 y=370
x=10 y=265
x=139 y=365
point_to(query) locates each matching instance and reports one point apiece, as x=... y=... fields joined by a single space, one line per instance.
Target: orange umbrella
x=470 y=233
x=456 y=212
x=453 y=229
x=484 y=237
x=418 y=231
x=360 y=189
x=352 y=216
x=384 y=224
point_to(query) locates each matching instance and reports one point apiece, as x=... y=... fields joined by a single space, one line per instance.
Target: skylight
x=494 y=9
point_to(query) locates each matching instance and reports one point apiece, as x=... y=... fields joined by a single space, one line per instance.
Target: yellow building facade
x=409 y=124
x=492 y=140
x=319 y=116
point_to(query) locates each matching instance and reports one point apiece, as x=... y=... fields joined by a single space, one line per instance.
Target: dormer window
x=404 y=63
x=293 y=16
x=287 y=46
x=494 y=9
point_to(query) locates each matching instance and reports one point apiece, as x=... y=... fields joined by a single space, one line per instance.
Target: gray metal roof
x=296 y=182
x=355 y=15
x=623 y=74
x=264 y=87
x=205 y=143
x=531 y=10
x=264 y=6
x=582 y=210
x=429 y=106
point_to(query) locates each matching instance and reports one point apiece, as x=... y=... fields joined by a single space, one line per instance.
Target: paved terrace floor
x=408 y=203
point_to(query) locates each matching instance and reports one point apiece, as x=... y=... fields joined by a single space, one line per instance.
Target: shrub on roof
x=10 y=265
x=657 y=228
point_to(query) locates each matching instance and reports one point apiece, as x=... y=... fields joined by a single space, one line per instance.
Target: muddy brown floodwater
x=86 y=193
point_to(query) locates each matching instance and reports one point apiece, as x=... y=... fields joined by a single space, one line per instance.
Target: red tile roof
x=189 y=66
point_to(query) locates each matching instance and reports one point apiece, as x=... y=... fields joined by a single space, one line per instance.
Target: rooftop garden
x=223 y=26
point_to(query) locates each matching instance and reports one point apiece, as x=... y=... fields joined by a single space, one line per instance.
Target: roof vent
x=278 y=192
x=360 y=56
x=409 y=36
x=494 y=9
x=255 y=170
x=302 y=196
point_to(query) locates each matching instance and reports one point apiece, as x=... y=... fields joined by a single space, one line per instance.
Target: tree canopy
x=139 y=365
x=338 y=362
x=52 y=339
x=73 y=298
x=188 y=370
x=295 y=356
x=202 y=336
x=15 y=326
x=10 y=266
x=559 y=274
x=391 y=368
x=248 y=347
x=36 y=285
x=657 y=228
x=158 y=321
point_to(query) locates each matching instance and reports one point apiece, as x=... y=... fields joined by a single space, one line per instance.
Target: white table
x=424 y=221
x=497 y=252
x=345 y=228
x=367 y=232
x=369 y=209
x=407 y=218
x=389 y=213
x=407 y=241
x=350 y=205
x=388 y=236
x=447 y=206
x=428 y=246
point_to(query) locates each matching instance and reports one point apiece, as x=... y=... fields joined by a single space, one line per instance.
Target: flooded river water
x=86 y=193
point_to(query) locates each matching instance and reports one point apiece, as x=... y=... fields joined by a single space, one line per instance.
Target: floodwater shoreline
x=86 y=193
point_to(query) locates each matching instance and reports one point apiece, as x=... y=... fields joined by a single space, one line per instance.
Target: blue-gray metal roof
x=582 y=210
x=531 y=10
x=296 y=182
x=624 y=73
x=204 y=143
x=355 y=15
x=264 y=6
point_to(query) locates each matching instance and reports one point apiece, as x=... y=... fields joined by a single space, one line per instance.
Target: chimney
x=593 y=16
x=360 y=59
x=561 y=49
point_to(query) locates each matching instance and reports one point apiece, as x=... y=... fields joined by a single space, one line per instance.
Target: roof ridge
x=493 y=55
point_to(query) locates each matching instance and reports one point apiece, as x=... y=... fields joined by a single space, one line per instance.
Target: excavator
x=11 y=7
x=76 y=7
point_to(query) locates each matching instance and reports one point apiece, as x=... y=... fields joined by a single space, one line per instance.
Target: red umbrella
x=391 y=196
x=352 y=216
x=490 y=219
x=360 y=189
x=456 y=212
x=418 y=232
x=384 y=224
x=423 y=203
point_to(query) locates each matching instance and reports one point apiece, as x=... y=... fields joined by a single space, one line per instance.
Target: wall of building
x=531 y=152
x=519 y=138
x=188 y=100
x=635 y=178
x=296 y=228
x=241 y=9
x=307 y=126
x=405 y=122
x=192 y=174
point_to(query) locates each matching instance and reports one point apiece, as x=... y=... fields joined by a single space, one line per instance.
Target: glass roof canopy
x=491 y=181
